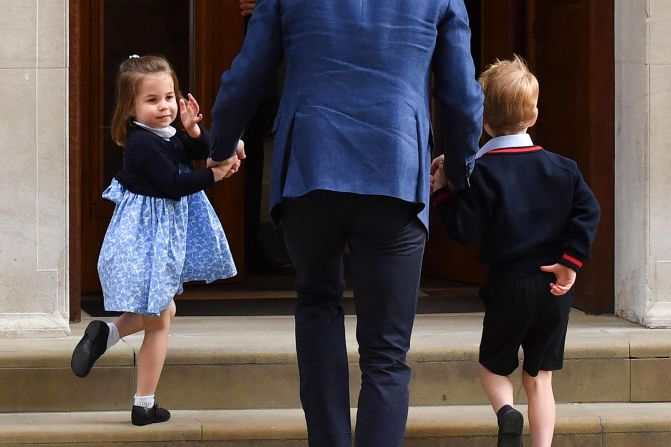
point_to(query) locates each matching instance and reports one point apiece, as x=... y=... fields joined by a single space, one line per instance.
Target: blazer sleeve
x=580 y=232
x=196 y=148
x=459 y=95
x=243 y=85
x=164 y=174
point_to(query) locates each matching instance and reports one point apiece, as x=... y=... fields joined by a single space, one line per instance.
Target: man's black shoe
x=145 y=416
x=511 y=424
x=89 y=349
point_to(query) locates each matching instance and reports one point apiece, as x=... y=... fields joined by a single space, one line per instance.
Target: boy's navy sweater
x=527 y=207
x=151 y=164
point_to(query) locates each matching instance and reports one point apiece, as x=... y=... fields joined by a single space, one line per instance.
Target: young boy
x=535 y=219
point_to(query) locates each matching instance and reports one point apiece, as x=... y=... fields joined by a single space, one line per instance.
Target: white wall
x=33 y=179
x=643 y=161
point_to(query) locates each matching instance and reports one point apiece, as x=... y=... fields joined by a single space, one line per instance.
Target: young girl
x=163 y=232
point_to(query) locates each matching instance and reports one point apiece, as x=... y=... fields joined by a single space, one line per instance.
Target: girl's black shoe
x=145 y=416
x=89 y=349
x=511 y=424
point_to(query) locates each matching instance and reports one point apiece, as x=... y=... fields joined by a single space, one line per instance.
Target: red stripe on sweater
x=515 y=150
x=570 y=258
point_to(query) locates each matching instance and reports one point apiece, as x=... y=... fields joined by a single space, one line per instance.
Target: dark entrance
x=200 y=38
x=568 y=44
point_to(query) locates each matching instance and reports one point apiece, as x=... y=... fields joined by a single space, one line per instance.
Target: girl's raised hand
x=189 y=113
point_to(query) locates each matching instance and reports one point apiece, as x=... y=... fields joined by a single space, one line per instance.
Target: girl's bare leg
x=129 y=323
x=153 y=351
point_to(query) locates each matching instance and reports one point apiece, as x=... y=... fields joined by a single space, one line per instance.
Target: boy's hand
x=247 y=7
x=565 y=278
x=189 y=113
x=438 y=178
x=437 y=163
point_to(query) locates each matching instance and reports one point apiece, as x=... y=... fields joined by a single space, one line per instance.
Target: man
x=351 y=167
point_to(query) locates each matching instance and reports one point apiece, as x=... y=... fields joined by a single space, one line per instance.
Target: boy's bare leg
x=499 y=389
x=128 y=323
x=541 y=407
x=153 y=351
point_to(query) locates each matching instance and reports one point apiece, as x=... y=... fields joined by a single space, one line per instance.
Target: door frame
x=78 y=77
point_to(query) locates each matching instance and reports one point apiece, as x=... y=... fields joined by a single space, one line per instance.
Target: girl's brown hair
x=511 y=95
x=129 y=79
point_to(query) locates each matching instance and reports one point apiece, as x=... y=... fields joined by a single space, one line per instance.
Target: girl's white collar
x=164 y=132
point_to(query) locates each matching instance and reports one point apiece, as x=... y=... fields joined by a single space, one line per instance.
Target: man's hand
x=247 y=7
x=565 y=278
x=231 y=164
x=189 y=113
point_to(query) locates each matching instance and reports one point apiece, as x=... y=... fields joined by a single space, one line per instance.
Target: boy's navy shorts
x=523 y=312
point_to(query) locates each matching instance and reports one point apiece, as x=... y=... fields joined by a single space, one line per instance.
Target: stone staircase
x=232 y=381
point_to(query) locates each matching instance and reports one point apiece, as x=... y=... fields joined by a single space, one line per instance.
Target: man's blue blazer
x=354 y=114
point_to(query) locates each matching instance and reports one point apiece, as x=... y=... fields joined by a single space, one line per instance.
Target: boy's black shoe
x=145 y=416
x=89 y=349
x=511 y=423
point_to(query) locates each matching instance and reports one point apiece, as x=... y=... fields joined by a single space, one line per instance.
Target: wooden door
x=569 y=45
x=200 y=39
x=571 y=50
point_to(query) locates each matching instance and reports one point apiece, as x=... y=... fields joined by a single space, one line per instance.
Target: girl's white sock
x=113 y=336
x=144 y=401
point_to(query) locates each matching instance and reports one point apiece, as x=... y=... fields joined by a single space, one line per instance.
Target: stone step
x=578 y=425
x=250 y=363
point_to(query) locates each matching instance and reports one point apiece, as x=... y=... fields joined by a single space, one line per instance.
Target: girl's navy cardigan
x=527 y=207
x=151 y=164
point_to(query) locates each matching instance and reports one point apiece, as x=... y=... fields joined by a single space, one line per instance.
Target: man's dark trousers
x=386 y=244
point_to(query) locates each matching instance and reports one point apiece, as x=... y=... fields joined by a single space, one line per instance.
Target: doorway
x=568 y=44
x=200 y=38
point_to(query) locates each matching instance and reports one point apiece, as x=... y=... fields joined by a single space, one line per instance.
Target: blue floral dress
x=153 y=245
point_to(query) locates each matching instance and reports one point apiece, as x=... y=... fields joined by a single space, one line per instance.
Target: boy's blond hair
x=511 y=96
